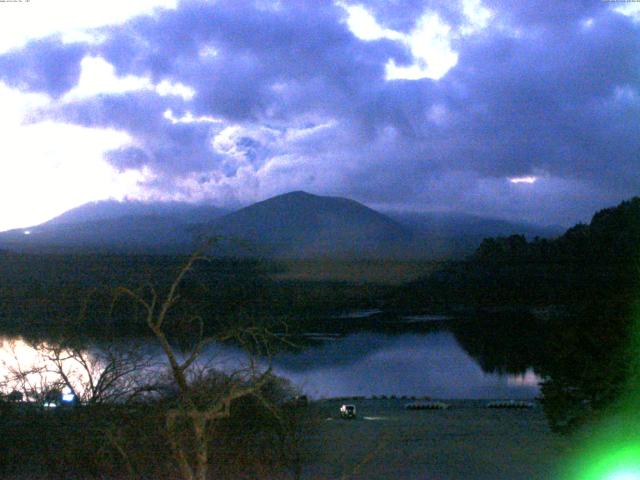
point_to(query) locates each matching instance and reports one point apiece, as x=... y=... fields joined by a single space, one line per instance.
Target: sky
x=527 y=111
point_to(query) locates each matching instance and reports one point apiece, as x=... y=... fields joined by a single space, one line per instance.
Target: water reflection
x=364 y=363
x=411 y=364
x=24 y=367
x=91 y=373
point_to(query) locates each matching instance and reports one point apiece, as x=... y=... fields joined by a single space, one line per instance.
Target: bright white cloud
x=165 y=88
x=48 y=167
x=97 y=76
x=364 y=26
x=21 y=22
x=430 y=45
x=89 y=37
x=429 y=42
x=228 y=141
x=529 y=179
x=630 y=9
x=477 y=16
x=190 y=118
x=304 y=133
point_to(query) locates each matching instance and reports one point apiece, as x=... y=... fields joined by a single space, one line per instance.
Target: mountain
x=182 y=212
x=302 y=225
x=587 y=264
x=459 y=225
x=294 y=225
x=110 y=226
x=455 y=235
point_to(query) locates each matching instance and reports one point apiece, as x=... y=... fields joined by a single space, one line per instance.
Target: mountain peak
x=296 y=193
x=300 y=224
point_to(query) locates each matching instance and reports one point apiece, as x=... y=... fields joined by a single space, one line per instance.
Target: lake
x=431 y=364
x=359 y=364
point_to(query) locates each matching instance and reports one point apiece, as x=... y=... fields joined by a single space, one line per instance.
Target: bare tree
x=109 y=374
x=195 y=411
x=28 y=379
x=184 y=395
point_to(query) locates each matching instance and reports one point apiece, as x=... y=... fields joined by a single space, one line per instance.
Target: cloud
x=43 y=66
x=422 y=105
x=74 y=20
x=59 y=163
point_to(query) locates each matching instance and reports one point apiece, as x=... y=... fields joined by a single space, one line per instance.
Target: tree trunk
x=202 y=461
x=174 y=440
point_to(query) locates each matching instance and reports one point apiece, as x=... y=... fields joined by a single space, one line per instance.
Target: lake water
x=366 y=363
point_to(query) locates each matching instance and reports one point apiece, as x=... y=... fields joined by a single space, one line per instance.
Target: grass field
x=465 y=442
x=388 y=272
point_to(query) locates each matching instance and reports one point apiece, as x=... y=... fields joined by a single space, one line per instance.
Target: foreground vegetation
x=378 y=272
x=133 y=440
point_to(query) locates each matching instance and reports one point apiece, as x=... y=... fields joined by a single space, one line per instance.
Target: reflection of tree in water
x=503 y=343
x=584 y=356
x=589 y=364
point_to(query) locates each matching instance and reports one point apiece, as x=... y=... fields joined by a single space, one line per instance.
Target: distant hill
x=182 y=212
x=110 y=226
x=586 y=264
x=292 y=225
x=302 y=225
x=445 y=235
x=463 y=225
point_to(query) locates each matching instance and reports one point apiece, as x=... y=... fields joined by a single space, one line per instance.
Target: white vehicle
x=348 y=411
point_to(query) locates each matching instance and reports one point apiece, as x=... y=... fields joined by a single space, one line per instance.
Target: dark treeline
x=565 y=306
x=51 y=291
x=41 y=295
x=588 y=262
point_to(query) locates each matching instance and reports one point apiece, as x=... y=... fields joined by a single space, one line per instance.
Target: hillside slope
x=120 y=227
x=299 y=224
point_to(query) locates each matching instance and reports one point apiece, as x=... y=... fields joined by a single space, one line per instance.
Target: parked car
x=348 y=411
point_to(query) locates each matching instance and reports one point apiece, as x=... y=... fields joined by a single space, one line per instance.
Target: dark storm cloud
x=45 y=65
x=294 y=100
x=552 y=102
x=560 y=102
x=160 y=143
x=126 y=158
x=267 y=63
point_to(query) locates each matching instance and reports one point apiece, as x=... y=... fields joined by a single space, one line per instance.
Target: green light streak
x=610 y=450
x=621 y=461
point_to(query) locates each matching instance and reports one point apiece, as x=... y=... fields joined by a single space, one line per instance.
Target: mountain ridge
x=300 y=224
x=296 y=224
